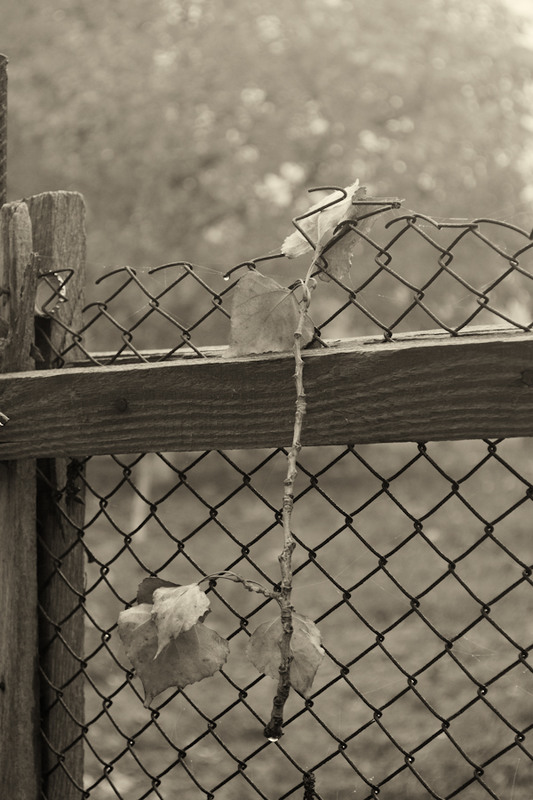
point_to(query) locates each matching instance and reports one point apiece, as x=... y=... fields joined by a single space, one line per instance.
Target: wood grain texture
x=18 y=281
x=426 y=387
x=59 y=244
x=19 y=698
x=58 y=223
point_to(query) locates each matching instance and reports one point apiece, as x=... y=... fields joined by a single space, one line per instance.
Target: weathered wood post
x=41 y=558
x=58 y=223
x=3 y=129
x=19 y=696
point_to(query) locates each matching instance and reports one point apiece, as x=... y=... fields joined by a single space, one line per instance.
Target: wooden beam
x=419 y=388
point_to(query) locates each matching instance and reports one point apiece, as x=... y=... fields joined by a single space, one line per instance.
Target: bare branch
x=273 y=729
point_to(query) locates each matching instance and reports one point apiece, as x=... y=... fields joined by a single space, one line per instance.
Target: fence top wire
x=409 y=272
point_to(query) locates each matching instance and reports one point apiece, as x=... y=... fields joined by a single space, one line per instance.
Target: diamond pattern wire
x=424 y=605
x=411 y=273
x=414 y=560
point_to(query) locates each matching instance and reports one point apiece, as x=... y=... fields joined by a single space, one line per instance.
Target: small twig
x=248 y=583
x=273 y=729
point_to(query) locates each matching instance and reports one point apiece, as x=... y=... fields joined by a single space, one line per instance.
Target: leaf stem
x=273 y=730
x=248 y=583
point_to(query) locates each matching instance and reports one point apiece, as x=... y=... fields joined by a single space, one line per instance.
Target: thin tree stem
x=273 y=730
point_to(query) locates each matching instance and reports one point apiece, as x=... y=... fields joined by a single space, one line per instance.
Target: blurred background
x=194 y=128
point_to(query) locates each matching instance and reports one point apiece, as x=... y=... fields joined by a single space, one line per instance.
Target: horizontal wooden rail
x=420 y=387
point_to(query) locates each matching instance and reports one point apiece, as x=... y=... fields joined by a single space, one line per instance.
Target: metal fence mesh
x=410 y=273
x=415 y=560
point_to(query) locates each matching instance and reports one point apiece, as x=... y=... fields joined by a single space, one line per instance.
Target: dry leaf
x=196 y=654
x=338 y=249
x=264 y=652
x=320 y=226
x=147 y=587
x=264 y=317
x=176 y=610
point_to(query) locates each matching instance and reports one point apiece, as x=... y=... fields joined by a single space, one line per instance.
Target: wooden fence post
x=19 y=697
x=58 y=223
x=3 y=129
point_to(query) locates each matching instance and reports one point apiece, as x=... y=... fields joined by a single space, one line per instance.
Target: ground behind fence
x=414 y=587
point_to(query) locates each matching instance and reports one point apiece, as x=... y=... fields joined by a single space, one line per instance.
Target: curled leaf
x=175 y=610
x=319 y=226
x=196 y=654
x=336 y=252
x=264 y=317
x=307 y=653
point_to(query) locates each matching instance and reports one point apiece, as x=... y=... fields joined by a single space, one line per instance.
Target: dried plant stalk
x=273 y=730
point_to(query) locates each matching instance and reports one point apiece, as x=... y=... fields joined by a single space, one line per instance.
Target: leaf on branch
x=336 y=251
x=175 y=610
x=195 y=654
x=264 y=317
x=319 y=226
x=147 y=587
x=263 y=650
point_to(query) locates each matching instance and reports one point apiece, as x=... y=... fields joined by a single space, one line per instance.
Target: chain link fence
x=415 y=560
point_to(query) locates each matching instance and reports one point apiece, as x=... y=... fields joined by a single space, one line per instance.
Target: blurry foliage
x=193 y=128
